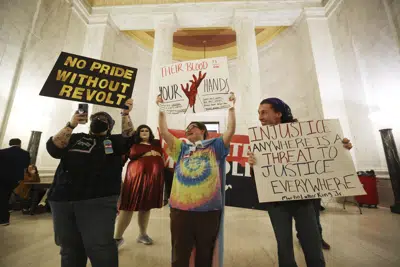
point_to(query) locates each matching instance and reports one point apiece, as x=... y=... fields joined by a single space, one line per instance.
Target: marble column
x=248 y=92
x=164 y=26
x=99 y=44
x=326 y=68
x=33 y=145
x=393 y=163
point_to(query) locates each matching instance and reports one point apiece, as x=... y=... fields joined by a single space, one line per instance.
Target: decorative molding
x=81 y=9
x=278 y=18
x=102 y=3
x=240 y=16
x=246 y=14
x=315 y=13
x=206 y=14
x=111 y=23
x=165 y=20
x=218 y=14
x=84 y=11
x=331 y=6
x=299 y=20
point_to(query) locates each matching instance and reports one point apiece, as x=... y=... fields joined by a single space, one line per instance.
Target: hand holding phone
x=127 y=107
x=83 y=110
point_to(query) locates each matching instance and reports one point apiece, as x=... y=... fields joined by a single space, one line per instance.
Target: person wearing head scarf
x=143 y=186
x=273 y=111
x=86 y=187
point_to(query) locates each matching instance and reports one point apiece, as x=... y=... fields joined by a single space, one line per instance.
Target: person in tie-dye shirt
x=198 y=192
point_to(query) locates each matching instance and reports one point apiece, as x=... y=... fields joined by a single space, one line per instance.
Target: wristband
x=69 y=125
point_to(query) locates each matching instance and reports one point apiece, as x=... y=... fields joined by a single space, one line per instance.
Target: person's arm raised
x=227 y=136
x=162 y=124
x=61 y=139
x=127 y=126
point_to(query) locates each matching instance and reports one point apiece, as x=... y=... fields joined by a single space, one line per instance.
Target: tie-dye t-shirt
x=199 y=173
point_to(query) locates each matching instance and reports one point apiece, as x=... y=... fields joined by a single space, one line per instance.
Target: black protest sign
x=90 y=80
x=240 y=188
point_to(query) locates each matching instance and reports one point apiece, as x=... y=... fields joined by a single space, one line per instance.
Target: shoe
x=325 y=245
x=119 y=242
x=145 y=239
x=40 y=209
x=5 y=224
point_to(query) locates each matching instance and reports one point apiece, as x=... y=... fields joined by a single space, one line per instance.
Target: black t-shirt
x=85 y=170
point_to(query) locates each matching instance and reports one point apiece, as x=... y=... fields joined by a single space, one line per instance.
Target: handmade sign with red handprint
x=195 y=86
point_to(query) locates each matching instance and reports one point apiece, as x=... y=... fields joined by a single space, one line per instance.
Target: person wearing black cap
x=273 y=111
x=84 y=194
x=14 y=161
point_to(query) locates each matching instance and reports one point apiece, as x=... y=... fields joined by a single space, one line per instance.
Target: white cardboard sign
x=195 y=86
x=302 y=160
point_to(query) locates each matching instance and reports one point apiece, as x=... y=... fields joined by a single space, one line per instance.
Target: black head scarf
x=280 y=106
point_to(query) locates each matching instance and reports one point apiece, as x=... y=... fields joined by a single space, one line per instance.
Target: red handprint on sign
x=191 y=92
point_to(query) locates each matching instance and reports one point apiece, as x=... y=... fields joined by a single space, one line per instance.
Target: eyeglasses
x=190 y=127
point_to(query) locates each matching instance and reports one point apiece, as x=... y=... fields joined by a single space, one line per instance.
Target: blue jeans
x=85 y=229
x=303 y=212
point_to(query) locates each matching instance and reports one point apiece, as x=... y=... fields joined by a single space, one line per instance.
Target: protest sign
x=90 y=80
x=302 y=160
x=240 y=188
x=195 y=86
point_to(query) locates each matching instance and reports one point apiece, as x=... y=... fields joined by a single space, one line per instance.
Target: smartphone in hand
x=83 y=108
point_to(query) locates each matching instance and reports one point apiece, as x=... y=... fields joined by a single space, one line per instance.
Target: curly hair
x=279 y=106
x=136 y=136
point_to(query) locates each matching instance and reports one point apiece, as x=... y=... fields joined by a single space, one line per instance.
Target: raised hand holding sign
x=302 y=160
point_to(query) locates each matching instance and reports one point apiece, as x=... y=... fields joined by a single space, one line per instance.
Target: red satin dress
x=144 y=181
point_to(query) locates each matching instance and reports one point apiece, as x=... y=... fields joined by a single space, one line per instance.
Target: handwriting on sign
x=302 y=159
x=218 y=85
x=170 y=92
x=197 y=86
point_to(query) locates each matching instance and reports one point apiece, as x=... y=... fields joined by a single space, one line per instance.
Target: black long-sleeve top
x=85 y=171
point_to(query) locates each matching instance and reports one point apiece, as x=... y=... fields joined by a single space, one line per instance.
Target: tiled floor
x=368 y=240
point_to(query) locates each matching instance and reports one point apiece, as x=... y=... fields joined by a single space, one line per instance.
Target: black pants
x=85 y=229
x=193 y=229
x=303 y=212
x=5 y=194
x=168 y=178
x=317 y=207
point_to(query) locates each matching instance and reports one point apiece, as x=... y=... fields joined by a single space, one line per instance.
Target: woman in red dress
x=143 y=187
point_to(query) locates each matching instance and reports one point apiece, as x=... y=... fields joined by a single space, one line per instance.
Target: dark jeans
x=317 y=207
x=193 y=229
x=303 y=212
x=86 y=229
x=5 y=194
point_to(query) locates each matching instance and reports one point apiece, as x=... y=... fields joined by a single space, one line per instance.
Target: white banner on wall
x=302 y=160
x=195 y=86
